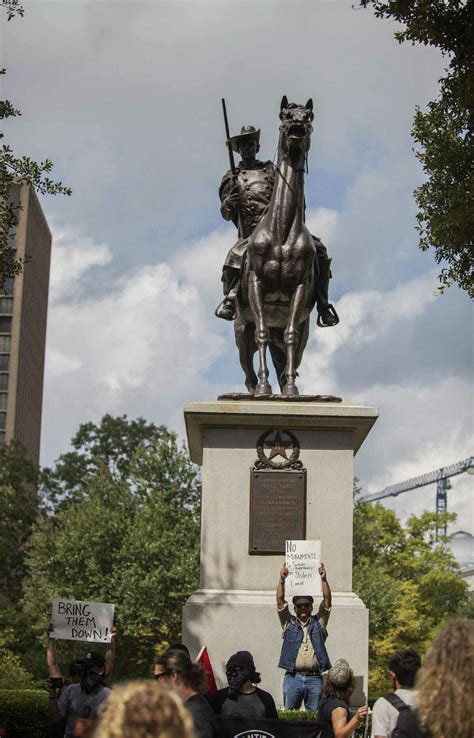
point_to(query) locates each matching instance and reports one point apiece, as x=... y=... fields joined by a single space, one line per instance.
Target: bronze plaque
x=277 y=509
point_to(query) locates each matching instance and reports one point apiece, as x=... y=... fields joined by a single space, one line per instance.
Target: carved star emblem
x=278 y=446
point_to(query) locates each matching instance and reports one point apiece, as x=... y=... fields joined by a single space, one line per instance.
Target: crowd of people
x=428 y=701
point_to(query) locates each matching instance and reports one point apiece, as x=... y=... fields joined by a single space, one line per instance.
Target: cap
x=340 y=674
x=302 y=597
x=94 y=659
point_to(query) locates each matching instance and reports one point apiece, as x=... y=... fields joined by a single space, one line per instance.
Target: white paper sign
x=78 y=620
x=303 y=559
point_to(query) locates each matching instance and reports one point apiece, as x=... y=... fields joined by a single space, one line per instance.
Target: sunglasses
x=162 y=675
x=303 y=604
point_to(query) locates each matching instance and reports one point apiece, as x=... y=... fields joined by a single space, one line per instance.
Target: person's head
x=240 y=670
x=179 y=647
x=340 y=681
x=75 y=670
x=445 y=682
x=175 y=669
x=144 y=710
x=404 y=667
x=303 y=607
x=247 y=143
x=92 y=672
x=94 y=662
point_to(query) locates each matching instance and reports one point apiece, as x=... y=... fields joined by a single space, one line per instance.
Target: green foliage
x=13 y=674
x=297 y=715
x=20 y=507
x=443 y=133
x=12 y=8
x=111 y=443
x=466 y=610
x=24 y=713
x=19 y=503
x=409 y=582
x=17 y=169
x=126 y=530
x=309 y=715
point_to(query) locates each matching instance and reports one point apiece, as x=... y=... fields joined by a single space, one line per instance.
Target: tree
x=126 y=530
x=13 y=674
x=408 y=580
x=19 y=503
x=112 y=443
x=443 y=133
x=20 y=506
x=17 y=169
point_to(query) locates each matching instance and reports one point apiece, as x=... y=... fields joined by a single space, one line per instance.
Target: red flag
x=205 y=661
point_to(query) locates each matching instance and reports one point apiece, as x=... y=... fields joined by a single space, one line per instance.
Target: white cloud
x=365 y=318
x=142 y=348
x=322 y=222
x=72 y=256
x=425 y=418
x=200 y=262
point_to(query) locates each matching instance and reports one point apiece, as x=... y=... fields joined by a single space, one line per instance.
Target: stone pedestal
x=234 y=608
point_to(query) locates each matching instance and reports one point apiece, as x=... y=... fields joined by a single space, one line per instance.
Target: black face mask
x=236 y=676
x=90 y=681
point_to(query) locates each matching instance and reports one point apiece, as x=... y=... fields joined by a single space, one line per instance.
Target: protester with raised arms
x=79 y=704
x=303 y=652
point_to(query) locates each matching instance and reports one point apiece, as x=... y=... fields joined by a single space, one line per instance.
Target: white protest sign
x=303 y=559
x=77 y=620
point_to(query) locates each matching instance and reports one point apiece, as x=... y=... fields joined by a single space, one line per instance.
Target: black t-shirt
x=326 y=707
x=258 y=704
x=205 y=723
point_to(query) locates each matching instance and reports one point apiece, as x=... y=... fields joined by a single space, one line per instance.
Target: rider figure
x=244 y=201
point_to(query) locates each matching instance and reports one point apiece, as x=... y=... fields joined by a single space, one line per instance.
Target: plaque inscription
x=277 y=493
x=277 y=509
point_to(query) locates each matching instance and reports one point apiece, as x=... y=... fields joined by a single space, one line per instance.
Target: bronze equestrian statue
x=277 y=271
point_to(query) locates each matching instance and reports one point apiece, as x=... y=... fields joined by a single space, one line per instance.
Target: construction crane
x=440 y=476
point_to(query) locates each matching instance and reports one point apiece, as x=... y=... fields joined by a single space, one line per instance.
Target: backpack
x=399 y=705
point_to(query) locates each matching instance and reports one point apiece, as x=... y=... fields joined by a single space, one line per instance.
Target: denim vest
x=292 y=638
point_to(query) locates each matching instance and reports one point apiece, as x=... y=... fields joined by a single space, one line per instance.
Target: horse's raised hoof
x=263 y=389
x=290 y=390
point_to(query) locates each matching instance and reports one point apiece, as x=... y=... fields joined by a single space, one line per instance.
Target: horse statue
x=277 y=288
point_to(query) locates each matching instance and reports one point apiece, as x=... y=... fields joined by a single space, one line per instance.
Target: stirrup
x=332 y=311
x=223 y=317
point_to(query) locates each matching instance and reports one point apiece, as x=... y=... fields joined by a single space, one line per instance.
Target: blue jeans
x=297 y=688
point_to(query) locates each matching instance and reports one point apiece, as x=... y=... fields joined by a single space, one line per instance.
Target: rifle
x=231 y=157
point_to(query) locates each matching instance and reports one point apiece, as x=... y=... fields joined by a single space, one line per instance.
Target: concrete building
x=23 y=313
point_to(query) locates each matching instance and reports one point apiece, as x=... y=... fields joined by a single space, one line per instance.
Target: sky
x=124 y=97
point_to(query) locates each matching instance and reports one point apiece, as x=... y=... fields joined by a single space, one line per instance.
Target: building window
x=2 y=437
x=7 y=288
x=5 y=324
x=4 y=343
x=3 y=400
x=6 y=305
x=3 y=421
x=3 y=382
x=4 y=360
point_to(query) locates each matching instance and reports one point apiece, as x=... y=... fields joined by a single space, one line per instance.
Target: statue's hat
x=245 y=132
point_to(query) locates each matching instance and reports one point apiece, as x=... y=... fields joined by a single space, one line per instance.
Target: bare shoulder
x=339 y=716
